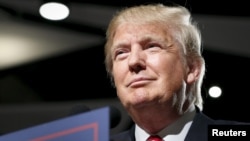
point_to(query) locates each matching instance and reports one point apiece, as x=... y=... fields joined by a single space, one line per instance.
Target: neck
x=154 y=120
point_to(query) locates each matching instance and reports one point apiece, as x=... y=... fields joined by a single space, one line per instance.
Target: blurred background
x=48 y=66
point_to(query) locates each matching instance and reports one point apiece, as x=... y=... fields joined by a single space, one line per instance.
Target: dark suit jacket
x=198 y=130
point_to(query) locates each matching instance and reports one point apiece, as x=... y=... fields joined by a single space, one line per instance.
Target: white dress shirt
x=177 y=131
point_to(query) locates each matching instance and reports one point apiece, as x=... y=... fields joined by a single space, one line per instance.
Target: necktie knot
x=154 y=138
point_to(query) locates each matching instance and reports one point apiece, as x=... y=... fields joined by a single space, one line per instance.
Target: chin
x=138 y=102
x=136 y=99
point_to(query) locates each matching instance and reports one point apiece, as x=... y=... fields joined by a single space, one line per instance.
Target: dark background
x=80 y=74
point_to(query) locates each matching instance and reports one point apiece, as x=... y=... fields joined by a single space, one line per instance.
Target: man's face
x=148 y=65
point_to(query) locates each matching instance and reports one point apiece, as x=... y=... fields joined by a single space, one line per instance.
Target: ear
x=193 y=73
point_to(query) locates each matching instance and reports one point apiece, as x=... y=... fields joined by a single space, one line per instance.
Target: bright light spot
x=215 y=91
x=13 y=50
x=54 y=11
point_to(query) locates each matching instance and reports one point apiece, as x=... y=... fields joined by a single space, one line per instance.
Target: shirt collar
x=176 y=131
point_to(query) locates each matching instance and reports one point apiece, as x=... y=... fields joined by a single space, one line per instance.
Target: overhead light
x=54 y=11
x=215 y=91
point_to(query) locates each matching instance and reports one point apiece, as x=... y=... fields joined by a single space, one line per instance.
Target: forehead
x=131 y=31
x=133 y=28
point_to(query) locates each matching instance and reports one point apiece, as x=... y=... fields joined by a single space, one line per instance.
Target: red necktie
x=154 y=138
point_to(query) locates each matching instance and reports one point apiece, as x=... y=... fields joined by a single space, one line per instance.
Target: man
x=153 y=57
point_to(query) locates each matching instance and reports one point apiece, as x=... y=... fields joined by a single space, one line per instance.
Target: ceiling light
x=54 y=11
x=215 y=91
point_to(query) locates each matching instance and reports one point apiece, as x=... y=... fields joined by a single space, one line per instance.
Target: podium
x=88 y=126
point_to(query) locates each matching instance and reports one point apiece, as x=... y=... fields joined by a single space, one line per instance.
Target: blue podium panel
x=89 y=126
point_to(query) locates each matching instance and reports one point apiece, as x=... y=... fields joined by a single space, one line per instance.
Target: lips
x=139 y=81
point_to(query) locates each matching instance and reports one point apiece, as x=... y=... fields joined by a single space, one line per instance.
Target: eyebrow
x=142 y=39
x=120 y=44
x=145 y=38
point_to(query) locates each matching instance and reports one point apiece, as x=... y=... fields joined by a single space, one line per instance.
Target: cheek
x=172 y=73
x=118 y=73
x=162 y=66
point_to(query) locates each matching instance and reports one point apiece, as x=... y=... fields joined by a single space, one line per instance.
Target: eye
x=153 y=46
x=120 y=53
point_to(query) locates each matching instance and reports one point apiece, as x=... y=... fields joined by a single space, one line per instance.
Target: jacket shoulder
x=127 y=135
x=123 y=136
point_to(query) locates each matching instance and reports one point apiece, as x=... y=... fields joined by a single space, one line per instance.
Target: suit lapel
x=199 y=128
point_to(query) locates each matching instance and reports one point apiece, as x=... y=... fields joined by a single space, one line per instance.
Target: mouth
x=138 y=82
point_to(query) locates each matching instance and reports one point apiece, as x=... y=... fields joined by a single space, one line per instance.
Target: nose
x=136 y=60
